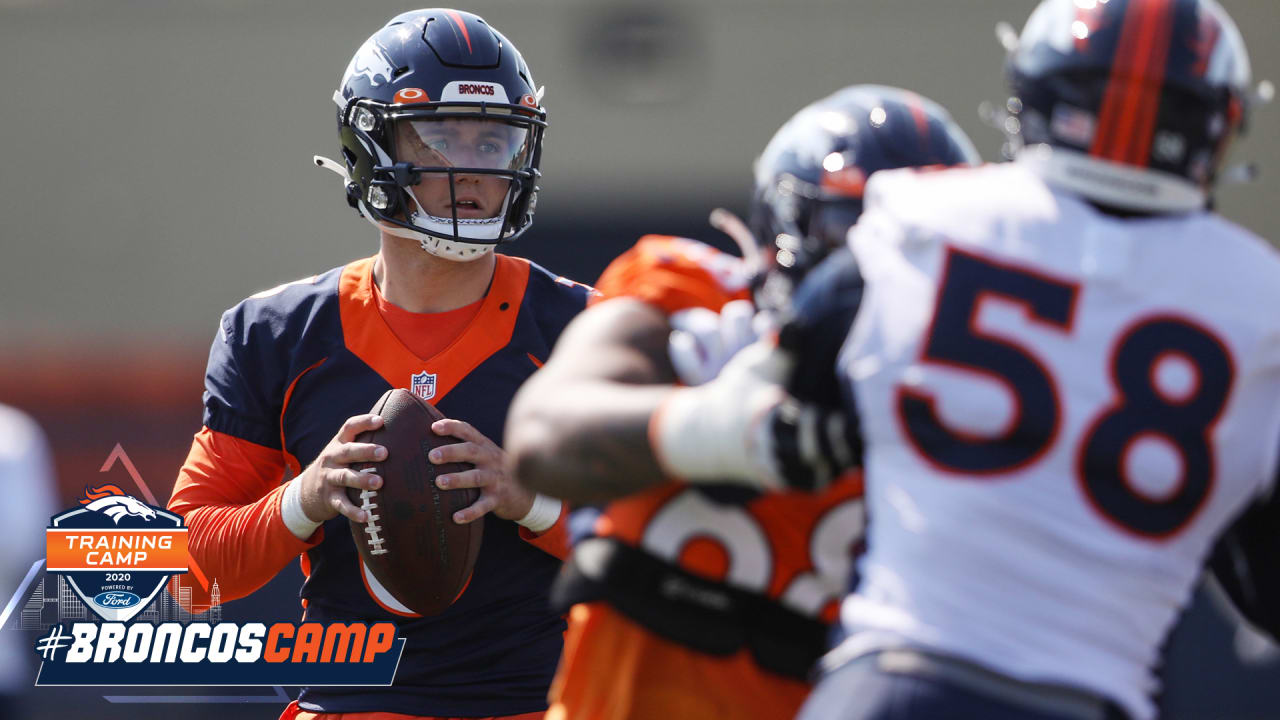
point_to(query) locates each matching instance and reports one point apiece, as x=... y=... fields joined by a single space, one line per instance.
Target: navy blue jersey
x=291 y=364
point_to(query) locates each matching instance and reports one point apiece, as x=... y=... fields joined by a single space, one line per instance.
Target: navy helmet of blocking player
x=1143 y=133
x=811 y=176
x=809 y=184
x=1066 y=376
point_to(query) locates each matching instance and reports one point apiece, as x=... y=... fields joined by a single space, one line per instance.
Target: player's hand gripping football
x=322 y=486
x=499 y=492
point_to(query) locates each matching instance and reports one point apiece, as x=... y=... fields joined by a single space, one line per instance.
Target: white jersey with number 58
x=1061 y=411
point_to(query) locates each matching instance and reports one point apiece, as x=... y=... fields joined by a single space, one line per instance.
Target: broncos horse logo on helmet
x=111 y=501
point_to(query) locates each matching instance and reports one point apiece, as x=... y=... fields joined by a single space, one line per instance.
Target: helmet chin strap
x=449 y=250
x=455 y=251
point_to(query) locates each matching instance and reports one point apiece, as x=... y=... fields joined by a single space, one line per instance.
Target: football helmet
x=441 y=127
x=1129 y=103
x=809 y=179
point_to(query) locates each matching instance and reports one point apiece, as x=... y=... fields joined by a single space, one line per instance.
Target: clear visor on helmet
x=455 y=142
x=483 y=154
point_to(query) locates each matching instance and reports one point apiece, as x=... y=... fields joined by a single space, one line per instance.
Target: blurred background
x=156 y=169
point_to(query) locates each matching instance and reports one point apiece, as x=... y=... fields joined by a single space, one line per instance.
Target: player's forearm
x=587 y=442
x=242 y=547
x=578 y=429
x=229 y=493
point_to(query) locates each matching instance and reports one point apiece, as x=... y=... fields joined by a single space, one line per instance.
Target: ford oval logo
x=116 y=599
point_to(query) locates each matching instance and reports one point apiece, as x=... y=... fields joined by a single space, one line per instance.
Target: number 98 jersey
x=697 y=602
x=792 y=549
x=1061 y=410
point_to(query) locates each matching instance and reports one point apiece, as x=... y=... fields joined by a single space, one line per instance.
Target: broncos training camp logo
x=116 y=551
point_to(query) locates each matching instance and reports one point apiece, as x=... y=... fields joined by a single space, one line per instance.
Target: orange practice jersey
x=789 y=551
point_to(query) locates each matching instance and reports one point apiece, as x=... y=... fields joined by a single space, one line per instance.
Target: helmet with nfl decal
x=809 y=179
x=441 y=127
x=1128 y=103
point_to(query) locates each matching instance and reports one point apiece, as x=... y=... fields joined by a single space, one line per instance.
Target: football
x=411 y=543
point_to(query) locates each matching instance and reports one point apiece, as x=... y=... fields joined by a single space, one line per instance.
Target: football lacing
x=371 y=526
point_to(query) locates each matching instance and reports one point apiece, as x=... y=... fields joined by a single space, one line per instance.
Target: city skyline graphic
x=44 y=609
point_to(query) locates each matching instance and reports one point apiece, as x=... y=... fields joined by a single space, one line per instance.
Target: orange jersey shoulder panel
x=229 y=492
x=650 y=677
x=675 y=274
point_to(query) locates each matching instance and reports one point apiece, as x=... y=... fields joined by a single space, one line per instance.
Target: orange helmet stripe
x=1132 y=99
x=462 y=25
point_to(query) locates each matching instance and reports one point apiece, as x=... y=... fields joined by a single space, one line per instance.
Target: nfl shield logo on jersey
x=423 y=385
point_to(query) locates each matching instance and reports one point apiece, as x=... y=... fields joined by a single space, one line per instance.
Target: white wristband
x=692 y=444
x=544 y=513
x=291 y=512
x=720 y=432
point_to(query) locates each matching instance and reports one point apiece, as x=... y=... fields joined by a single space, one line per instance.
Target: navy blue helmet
x=441 y=127
x=1130 y=103
x=809 y=179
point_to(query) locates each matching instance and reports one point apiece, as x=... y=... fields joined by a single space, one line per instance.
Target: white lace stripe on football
x=371 y=526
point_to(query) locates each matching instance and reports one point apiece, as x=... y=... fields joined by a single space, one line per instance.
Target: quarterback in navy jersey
x=441 y=127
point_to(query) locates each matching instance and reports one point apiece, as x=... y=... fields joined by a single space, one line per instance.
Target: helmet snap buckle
x=363 y=119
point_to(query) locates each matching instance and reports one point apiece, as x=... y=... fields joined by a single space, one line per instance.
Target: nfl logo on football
x=423 y=385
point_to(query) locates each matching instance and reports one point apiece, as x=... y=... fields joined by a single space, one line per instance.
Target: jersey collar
x=367 y=335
